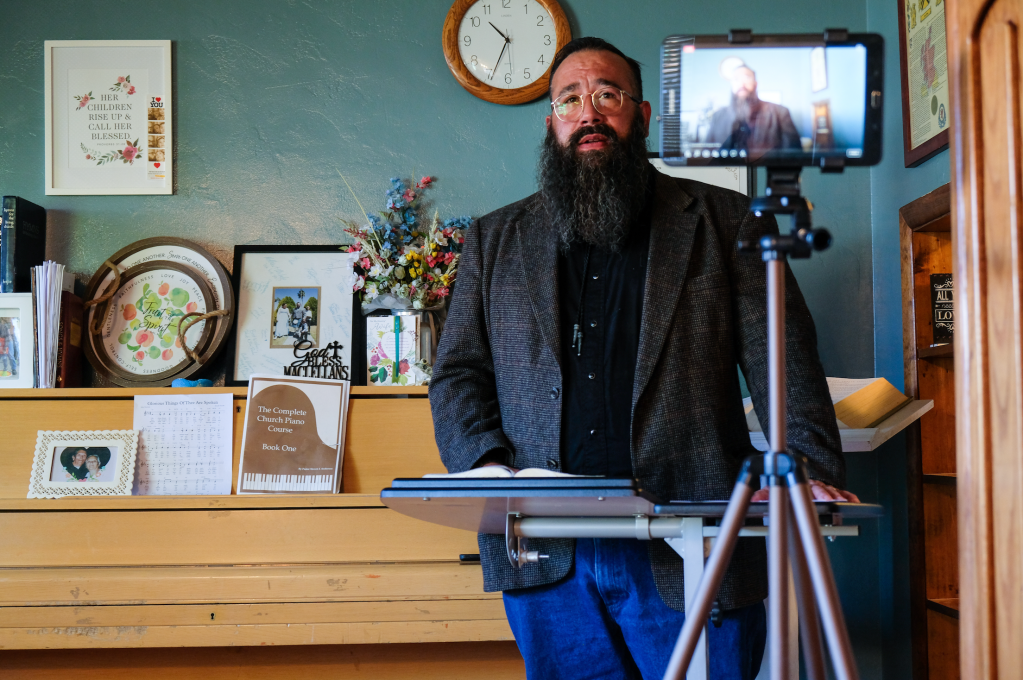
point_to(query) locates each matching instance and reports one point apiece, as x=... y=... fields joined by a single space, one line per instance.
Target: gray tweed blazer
x=497 y=380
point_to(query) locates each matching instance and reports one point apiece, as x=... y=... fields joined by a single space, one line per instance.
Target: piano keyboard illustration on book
x=259 y=482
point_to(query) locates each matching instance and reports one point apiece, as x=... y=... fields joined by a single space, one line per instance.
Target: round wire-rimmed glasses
x=606 y=100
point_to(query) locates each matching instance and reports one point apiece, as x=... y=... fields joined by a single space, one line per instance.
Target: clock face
x=507 y=44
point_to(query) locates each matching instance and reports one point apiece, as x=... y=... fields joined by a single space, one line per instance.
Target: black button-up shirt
x=596 y=416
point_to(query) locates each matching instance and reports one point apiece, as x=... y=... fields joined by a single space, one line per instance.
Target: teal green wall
x=892 y=186
x=273 y=99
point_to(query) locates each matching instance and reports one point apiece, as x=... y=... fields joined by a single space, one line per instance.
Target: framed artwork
x=17 y=341
x=923 y=67
x=295 y=308
x=108 y=117
x=162 y=281
x=83 y=463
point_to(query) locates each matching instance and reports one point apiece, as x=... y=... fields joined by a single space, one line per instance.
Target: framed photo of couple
x=83 y=463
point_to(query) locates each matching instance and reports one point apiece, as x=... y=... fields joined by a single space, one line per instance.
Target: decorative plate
x=138 y=341
x=184 y=266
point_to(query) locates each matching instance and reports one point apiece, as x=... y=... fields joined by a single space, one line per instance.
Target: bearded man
x=751 y=123
x=595 y=329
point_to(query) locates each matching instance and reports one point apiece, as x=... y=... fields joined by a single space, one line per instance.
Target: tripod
x=795 y=535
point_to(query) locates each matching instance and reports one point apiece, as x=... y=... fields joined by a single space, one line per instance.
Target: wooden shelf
x=946 y=478
x=946 y=606
x=936 y=351
x=225 y=502
x=130 y=392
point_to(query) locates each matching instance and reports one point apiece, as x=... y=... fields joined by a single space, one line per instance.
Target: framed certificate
x=108 y=117
x=923 y=65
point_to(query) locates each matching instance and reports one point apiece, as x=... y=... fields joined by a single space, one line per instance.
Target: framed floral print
x=108 y=117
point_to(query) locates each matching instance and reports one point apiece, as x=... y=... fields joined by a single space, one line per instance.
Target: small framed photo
x=83 y=463
x=17 y=341
x=108 y=117
x=294 y=312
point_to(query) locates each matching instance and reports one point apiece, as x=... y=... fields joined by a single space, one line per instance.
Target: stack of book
x=22 y=242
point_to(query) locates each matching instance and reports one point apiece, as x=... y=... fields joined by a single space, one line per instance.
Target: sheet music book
x=185 y=444
x=294 y=437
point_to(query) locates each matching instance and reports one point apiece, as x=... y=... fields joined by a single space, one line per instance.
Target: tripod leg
x=809 y=626
x=698 y=611
x=778 y=581
x=823 y=580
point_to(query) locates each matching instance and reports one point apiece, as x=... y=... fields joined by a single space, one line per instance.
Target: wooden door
x=987 y=161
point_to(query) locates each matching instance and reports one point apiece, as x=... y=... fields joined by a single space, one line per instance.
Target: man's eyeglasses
x=606 y=100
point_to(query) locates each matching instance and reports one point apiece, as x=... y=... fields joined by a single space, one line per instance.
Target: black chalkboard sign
x=942 y=314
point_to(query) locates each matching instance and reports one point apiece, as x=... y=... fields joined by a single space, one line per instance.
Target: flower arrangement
x=405 y=261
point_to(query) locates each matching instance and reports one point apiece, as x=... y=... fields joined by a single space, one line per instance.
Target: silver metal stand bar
x=698 y=611
x=643 y=528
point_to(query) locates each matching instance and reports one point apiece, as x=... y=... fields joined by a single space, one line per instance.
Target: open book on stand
x=500 y=471
x=869 y=412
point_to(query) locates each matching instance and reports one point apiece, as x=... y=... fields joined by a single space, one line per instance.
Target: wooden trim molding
x=987 y=155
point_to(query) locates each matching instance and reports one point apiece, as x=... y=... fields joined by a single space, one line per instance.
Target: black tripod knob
x=817 y=239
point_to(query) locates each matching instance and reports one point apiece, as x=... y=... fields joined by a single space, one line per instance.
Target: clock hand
x=498 y=62
x=498 y=30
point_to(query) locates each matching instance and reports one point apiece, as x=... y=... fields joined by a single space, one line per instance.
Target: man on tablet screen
x=595 y=329
x=750 y=123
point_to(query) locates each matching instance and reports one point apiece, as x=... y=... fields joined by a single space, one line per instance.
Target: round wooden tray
x=106 y=365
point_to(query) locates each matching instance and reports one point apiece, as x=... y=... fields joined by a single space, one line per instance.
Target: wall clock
x=501 y=50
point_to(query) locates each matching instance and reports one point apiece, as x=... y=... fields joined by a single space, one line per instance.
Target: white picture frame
x=17 y=341
x=102 y=98
x=83 y=463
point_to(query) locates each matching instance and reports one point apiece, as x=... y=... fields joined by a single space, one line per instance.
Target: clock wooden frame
x=496 y=95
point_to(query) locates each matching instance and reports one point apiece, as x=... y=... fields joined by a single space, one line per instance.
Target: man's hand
x=820 y=491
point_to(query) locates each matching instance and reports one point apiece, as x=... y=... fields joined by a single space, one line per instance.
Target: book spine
x=22 y=242
x=69 y=347
x=60 y=346
x=7 y=232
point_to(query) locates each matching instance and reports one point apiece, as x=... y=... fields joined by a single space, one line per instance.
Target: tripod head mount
x=783 y=198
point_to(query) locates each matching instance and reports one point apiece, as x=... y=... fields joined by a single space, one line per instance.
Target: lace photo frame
x=83 y=463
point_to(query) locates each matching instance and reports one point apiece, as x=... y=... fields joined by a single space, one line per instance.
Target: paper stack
x=48 y=282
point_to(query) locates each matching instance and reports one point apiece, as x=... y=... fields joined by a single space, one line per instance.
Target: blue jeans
x=606 y=620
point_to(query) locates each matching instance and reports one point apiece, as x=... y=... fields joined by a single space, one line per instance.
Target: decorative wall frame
x=17 y=341
x=923 y=70
x=83 y=463
x=312 y=345
x=108 y=117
